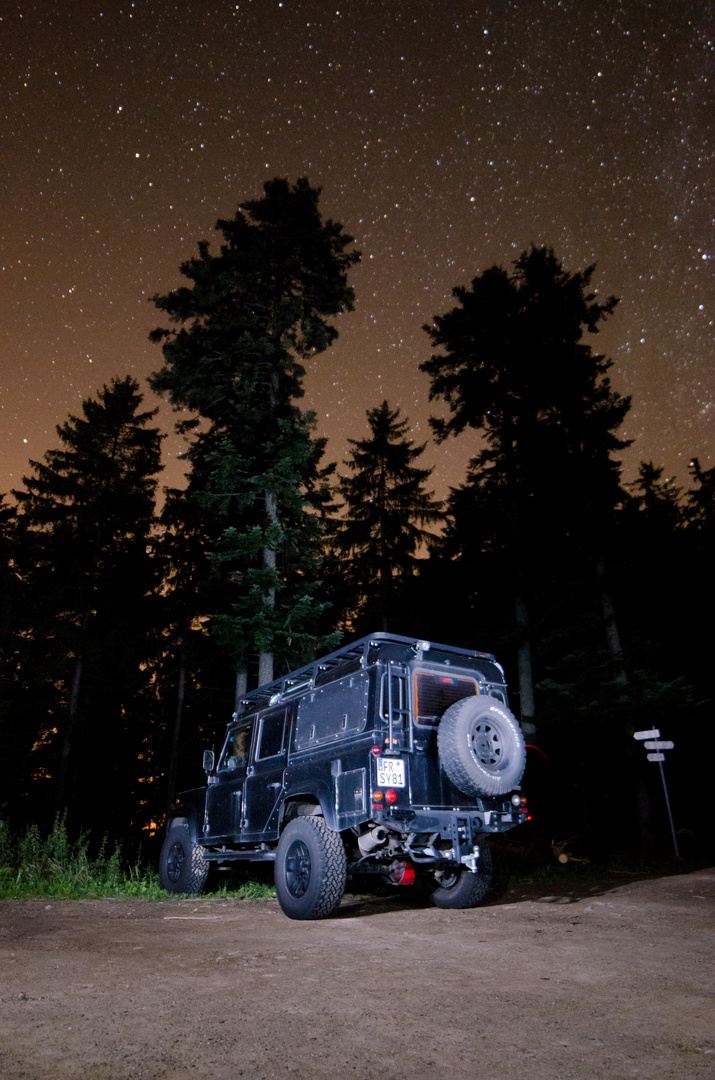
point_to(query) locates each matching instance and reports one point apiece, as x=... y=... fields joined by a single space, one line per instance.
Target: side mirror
x=208 y=761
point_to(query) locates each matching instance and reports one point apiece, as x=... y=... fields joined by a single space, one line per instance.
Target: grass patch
x=249 y=890
x=242 y=881
x=33 y=866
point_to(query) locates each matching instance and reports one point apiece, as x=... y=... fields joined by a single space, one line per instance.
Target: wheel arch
x=184 y=819
x=309 y=801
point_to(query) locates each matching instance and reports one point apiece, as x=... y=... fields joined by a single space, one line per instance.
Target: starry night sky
x=447 y=136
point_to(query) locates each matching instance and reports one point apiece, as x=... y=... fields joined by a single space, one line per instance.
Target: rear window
x=435 y=692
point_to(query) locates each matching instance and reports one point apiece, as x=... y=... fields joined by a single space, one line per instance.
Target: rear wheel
x=310 y=869
x=182 y=866
x=457 y=887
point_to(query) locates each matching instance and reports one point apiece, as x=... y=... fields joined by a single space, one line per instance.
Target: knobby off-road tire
x=481 y=747
x=459 y=887
x=310 y=869
x=182 y=866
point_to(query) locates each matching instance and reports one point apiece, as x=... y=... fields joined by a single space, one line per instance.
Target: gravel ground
x=614 y=986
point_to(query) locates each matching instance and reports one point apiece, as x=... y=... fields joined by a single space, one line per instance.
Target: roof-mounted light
x=422 y=646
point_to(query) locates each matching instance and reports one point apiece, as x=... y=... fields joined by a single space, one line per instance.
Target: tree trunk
x=178 y=717
x=265 y=659
x=527 y=706
x=240 y=688
x=72 y=715
x=608 y=612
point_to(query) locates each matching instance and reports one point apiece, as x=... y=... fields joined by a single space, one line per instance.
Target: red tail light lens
x=408 y=878
x=390 y=795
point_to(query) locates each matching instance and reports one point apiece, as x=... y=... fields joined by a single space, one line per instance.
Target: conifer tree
x=253 y=313
x=382 y=529
x=13 y=734
x=513 y=365
x=696 y=579
x=88 y=508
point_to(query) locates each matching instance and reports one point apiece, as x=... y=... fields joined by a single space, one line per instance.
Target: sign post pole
x=667 y=803
x=658 y=756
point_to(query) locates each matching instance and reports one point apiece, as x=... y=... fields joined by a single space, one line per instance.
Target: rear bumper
x=429 y=820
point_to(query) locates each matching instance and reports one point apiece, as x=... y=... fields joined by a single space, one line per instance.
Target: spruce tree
x=15 y=738
x=381 y=531
x=88 y=510
x=513 y=364
x=253 y=313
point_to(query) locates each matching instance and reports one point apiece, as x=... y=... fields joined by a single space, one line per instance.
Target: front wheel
x=457 y=887
x=310 y=869
x=182 y=866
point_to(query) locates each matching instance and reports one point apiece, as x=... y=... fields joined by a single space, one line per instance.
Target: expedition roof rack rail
x=303 y=678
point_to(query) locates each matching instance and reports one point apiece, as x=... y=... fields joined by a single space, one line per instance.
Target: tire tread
x=332 y=884
x=195 y=869
x=457 y=760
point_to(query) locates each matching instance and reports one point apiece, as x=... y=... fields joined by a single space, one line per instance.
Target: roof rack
x=305 y=677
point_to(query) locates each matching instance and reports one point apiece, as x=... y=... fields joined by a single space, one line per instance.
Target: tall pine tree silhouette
x=512 y=364
x=254 y=312
x=89 y=511
x=382 y=529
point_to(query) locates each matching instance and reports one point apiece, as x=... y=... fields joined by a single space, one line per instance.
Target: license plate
x=390 y=772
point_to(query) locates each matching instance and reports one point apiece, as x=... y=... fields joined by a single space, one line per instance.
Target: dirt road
x=613 y=986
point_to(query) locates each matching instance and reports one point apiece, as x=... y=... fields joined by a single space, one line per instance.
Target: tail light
x=402 y=873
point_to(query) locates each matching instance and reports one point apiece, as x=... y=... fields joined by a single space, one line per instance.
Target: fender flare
x=186 y=818
x=319 y=791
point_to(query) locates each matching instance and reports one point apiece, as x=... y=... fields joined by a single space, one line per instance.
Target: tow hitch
x=471 y=860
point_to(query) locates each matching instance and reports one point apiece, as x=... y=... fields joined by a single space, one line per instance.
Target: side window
x=237 y=748
x=270 y=742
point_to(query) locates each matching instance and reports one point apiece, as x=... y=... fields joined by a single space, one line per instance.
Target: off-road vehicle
x=390 y=756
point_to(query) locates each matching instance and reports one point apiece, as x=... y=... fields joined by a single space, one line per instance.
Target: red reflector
x=376 y=750
x=390 y=795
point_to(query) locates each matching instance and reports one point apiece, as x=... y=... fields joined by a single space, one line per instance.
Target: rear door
x=433 y=691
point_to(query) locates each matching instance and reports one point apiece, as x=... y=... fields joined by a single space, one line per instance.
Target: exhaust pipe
x=372 y=839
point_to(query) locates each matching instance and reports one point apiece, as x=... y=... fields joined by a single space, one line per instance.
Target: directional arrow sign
x=659 y=745
x=656 y=757
x=653 y=734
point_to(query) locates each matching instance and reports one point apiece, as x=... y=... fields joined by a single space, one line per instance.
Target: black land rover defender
x=390 y=756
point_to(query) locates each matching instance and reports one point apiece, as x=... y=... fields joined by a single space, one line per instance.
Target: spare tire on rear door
x=481 y=746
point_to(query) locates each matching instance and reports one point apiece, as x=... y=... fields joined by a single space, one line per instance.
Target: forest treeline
x=132 y=618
